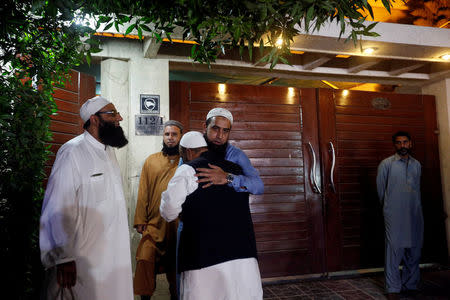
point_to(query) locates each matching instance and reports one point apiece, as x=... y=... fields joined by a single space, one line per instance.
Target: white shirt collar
x=93 y=141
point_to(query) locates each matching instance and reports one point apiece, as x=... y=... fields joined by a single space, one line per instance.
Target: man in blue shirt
x=217 y=131
x=398 y=185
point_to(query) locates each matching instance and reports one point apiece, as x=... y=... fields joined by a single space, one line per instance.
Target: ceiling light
x=446 y=57
x=369 y=51
x=279 y=42
x=345 y=93
x=222 y=88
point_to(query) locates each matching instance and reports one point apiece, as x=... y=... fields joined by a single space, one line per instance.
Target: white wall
x=441 y=90
x=122 y=83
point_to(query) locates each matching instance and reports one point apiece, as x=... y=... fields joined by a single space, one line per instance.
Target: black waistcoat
x=217 y=224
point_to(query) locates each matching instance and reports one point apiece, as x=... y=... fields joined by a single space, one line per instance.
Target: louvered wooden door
x=66 y=123
x=275 y=127
x=359 y=125
x=322 y=217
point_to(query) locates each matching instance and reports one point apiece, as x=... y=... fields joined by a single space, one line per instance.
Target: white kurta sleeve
x=59 y=212
x=182 y=184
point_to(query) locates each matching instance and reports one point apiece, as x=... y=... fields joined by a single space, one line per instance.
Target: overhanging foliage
x=218 y=26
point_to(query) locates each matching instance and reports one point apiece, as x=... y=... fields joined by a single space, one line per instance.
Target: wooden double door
x=317 y=151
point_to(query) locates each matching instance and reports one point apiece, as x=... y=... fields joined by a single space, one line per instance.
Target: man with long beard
x=398 y=185
x=84 y=236
x=157 y=246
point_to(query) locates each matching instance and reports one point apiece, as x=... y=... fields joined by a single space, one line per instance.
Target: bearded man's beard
x=403 y=151
x=169 y=151
x=111 y=135
x=218 y=151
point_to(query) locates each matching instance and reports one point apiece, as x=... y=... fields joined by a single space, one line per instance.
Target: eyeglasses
x=113 y=112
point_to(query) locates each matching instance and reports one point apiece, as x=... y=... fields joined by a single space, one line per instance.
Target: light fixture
x=345 y=93
x=291 y=91
x=445 y=56
x=222 y=88
x=369 y=50
x=279 y=42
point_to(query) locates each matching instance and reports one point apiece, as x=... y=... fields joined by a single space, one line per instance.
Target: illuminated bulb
x=221 y=88
x=445 y=56
x=279 y=42
x=291 y=91
x=345 y=93
x=369 y=50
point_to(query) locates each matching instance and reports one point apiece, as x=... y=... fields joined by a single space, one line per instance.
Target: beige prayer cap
x=193 y=139
x=92 y=106
x=221 y=112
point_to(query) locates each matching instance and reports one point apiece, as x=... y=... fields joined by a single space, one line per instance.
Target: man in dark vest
x=217 y=249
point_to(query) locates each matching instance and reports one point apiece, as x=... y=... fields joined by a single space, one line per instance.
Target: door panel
x=362 y=135
x=67 y=124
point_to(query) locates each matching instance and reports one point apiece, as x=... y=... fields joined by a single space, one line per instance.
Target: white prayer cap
x=92 y=106
x=221 y=112
x=193 y=139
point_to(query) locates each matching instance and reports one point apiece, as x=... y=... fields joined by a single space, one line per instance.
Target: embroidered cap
x=92 y=106
x=193 y=139
x=221 y=112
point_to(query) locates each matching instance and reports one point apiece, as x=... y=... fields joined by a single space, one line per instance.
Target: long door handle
x=312 y=174
x=333 y=163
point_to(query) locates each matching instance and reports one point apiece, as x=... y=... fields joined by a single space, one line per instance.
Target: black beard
x=170 y=150
x=403 y=151
x=111 y=135
x=218 y=151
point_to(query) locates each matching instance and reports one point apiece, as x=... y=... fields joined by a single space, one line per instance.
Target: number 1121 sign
x=149 y=125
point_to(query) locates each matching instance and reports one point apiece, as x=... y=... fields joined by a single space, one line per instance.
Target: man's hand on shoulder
x=141 y=228
x=66 y=274
x=215 y=175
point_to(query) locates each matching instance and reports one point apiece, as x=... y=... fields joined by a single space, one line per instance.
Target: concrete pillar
x=441 y=90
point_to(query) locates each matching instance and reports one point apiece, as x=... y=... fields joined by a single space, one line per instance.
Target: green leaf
x=130 y=29
x=285 y=61
x=371 y=26
x=145 y=27
x=387 y=5
x=108 y=26
x=261 y=47
x=158 y=37
x=139 y=32
x=194 y=47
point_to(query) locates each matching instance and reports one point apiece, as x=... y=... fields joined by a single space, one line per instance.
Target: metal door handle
x=312 y=174
x=333 y=163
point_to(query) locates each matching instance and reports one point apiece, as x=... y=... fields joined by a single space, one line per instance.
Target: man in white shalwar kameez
x=217 y=250
x=84 y=237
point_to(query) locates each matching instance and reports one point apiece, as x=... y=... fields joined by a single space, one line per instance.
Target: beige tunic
x=159 y=238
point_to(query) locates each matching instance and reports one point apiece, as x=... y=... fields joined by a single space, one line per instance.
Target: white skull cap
x=221 y=112
x=92 y=106
x=193 y=139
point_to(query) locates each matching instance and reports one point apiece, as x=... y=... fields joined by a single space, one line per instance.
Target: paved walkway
x=435 y=285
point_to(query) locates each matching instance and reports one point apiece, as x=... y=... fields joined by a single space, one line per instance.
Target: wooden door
x=277 y=128
x=66 y=123
x=360 y=126
x=298 y=229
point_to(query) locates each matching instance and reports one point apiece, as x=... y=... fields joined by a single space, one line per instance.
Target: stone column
x=441 y=90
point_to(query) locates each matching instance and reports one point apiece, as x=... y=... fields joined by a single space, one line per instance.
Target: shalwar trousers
x=409 y=277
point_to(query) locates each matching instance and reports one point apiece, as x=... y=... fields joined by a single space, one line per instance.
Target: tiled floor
x=435 y=286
